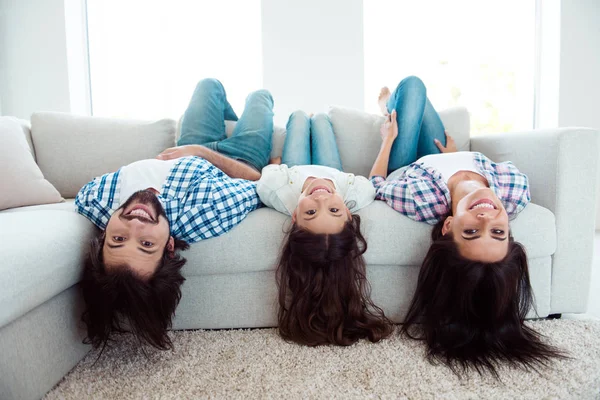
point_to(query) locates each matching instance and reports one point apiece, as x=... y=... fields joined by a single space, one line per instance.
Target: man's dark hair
x=471 y=314
x=324 y=294
x=118 y=301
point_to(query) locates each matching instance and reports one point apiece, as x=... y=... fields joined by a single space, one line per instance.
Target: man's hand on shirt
x=233 y=168
x=181 y=151
x=450 y=145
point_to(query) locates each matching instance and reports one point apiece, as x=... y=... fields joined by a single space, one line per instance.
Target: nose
x=483 y=215
x=322 y=196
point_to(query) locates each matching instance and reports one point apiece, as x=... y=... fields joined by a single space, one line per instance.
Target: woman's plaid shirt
x=420 y=192
x=200 y=200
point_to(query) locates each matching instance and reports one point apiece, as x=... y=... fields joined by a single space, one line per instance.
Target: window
x=474 y=53
x=147 y=56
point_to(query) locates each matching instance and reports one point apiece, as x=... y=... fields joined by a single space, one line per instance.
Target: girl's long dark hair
x=324 y=294
x=470 y=313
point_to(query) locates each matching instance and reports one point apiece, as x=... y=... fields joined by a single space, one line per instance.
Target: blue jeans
x=204 y=123
x=418 y=123
x=310 y=141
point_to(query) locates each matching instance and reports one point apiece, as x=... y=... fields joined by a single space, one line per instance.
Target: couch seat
x=392 y=238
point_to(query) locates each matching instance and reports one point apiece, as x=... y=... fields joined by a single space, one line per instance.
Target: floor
x=594 y=299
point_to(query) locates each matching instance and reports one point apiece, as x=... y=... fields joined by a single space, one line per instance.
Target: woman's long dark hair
x=470 y=313
x=324 y=294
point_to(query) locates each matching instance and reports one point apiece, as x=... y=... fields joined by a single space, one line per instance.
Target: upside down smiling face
x=137 y=235
x=321 y=208
x=479 y=226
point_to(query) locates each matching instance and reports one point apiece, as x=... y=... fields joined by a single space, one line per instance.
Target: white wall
x=580 y=63
x=313 y=54
x=580 y=67
x=547 y=72
x=77 y=57
x=33 y=73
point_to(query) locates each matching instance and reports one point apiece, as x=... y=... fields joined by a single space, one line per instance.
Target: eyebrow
x=477 y=237
x=139 y=248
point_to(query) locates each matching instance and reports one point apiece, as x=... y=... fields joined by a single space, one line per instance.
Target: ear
x=447 y=227
x=170 y=247
x=349 y=214
x=294 y=215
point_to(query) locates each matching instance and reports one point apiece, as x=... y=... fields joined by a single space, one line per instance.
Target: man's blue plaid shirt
x=200 y=200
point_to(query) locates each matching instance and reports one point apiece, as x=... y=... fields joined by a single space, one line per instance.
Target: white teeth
x=141 y=213
x=321 y=191
x=483 y=205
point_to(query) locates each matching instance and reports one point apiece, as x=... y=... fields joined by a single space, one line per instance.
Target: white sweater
x=280 y=187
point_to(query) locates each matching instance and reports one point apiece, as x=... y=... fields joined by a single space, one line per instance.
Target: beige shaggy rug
x=258 y=364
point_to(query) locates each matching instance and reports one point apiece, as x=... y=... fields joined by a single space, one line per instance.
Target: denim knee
x=210 y=85
x=410 y=87
x=411 y=83
x=299 y=115
x=260 y=95
x=320 y=118
x=298 y=122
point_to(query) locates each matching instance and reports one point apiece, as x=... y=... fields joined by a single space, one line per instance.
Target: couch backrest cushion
x=358 y=138
x=26 y=127
x=71 y=150
x=21 y=181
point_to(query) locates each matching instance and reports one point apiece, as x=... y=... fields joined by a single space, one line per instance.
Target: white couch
x=230 y=279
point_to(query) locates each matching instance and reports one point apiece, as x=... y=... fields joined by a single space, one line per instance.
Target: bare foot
x=384 y=96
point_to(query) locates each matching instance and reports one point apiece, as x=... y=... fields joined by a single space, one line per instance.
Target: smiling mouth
x=320 y=189
x=141 y=211
x=485 y=204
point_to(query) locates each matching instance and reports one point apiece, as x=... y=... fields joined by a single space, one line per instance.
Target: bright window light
x=474 y=53
x=147 y=56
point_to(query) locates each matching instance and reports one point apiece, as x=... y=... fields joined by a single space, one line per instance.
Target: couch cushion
x=26 y=127
x=21 y=181
x=358 y=139
x=392 y=238
x=94 y=145
x=42 y=255
x=253 y=245
x=67 y=205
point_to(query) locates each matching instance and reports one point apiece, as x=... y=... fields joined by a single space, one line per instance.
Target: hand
x=389 y=129
x=450 y=145
x=181 y=151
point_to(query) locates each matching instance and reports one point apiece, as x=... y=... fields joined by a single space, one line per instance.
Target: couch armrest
x=562 y=166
